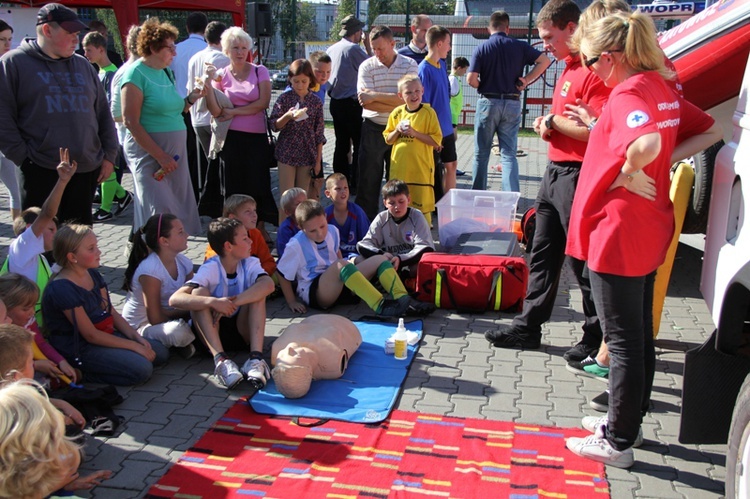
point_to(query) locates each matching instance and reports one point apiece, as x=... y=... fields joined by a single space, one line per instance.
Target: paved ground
x=456 y=373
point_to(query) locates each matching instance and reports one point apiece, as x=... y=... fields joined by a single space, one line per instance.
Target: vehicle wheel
x=696 y=217
x=738 y=454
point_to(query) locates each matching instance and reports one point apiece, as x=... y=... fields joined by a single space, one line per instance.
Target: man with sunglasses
x=53 y=99
x=567 y=138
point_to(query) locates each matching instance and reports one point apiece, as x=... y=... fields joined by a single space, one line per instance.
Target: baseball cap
x=60 y=14
x=350 y=25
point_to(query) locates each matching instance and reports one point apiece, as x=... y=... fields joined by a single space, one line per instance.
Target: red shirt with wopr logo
x=618 y=232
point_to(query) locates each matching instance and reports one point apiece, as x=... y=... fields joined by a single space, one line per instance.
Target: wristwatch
x=591 y=124
x=548 y=122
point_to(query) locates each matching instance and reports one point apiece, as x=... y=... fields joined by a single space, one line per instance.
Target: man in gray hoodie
x=52 y=99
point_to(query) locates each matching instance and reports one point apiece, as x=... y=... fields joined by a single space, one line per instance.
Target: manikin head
x=293 y=373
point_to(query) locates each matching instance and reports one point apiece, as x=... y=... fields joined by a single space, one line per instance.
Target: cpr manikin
x=319 y=347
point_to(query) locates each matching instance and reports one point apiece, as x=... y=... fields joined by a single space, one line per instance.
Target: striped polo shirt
x=376 y=76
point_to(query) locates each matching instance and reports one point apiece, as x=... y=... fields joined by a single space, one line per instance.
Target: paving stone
x=179 y=425
x=473 y=372
x=135 y=434
x=537 y=414
x=138 y=400
x=564 y=421
x=128 y=477
x=199 y=406
x=177 y=393
x=158 y=412
x=467 y=405
x=161 y=449
x=424 y=407
x=439 y=385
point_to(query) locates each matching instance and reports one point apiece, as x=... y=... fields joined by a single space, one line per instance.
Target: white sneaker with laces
x=256 y=371
x=598 y=448
x=591 y=423
x=228 y=373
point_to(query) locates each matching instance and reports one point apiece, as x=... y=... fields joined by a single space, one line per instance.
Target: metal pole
x=525 y=109
x=408 y=23
x=294 y=28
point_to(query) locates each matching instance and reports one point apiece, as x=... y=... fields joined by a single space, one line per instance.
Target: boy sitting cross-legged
x=399 y=233
x=313 y=259
x=346 y=216
x=227 y=301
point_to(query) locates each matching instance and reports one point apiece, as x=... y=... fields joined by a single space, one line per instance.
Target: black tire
x=696 y=218
x=739 y=433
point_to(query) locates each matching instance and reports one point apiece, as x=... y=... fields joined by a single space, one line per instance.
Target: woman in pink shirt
x=246 y=152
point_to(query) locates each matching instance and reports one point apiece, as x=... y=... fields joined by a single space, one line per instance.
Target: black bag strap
x=442 y=281
x=269 y=133
x=296 y=420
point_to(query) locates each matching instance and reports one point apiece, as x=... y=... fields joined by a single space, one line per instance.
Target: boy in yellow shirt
x=414 y=131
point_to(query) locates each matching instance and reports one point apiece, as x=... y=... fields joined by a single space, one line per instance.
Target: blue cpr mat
x=364 y=394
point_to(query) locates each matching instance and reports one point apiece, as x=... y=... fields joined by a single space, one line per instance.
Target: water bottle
x=400 y=348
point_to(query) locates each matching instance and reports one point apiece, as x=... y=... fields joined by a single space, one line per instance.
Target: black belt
x=502 y=96
x=566 y=164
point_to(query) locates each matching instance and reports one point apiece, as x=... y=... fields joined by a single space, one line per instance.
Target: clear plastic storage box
x=463 y=210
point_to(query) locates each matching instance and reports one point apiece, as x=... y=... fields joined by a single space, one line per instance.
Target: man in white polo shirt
x=377 y=91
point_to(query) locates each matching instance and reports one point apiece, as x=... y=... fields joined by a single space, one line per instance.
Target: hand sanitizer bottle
x=400 y=348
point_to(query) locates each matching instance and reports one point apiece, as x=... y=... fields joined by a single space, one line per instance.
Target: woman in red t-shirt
x=622 y=219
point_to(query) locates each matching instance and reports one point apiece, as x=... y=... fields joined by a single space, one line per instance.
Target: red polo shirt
x=575 y=82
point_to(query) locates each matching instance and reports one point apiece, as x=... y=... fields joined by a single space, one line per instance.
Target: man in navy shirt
x=417 y=48
x=496 y=71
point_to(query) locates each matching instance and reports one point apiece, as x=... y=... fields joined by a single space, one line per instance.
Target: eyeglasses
x=590 y=62
x=172 y=48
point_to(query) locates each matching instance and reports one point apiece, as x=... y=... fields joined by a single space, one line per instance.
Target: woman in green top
x=156 y=146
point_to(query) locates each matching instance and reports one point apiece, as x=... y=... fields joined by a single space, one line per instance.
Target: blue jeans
x=501 y=117
x=114 y=366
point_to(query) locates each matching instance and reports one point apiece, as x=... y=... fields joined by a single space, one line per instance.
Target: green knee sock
x=390 y=280
x=359 y=285
x=110 y=189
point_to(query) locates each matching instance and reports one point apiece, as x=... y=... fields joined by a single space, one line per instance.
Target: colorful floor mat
x=247 y=454
x=365 y=394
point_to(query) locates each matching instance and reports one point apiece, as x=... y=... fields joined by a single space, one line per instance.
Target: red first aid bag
x=472 y=282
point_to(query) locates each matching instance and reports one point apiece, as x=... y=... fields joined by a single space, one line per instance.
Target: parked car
x=279 y=79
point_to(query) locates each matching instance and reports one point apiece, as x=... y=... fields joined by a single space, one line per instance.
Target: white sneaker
x=591 y=423
x=228 y=373
x=256 y=371
x=598 y=448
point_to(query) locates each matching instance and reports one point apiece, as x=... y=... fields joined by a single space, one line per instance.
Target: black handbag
x=271 y=142
x=271 y=137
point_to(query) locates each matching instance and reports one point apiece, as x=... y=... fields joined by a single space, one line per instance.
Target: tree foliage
x=429 y=7
x=346 y=7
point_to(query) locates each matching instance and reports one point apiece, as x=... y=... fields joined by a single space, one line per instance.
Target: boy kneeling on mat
x=227 y=302
x=313 y=258
x=319 y=347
